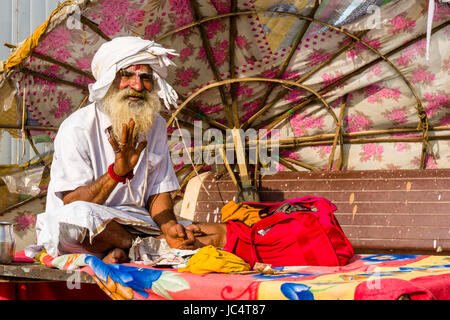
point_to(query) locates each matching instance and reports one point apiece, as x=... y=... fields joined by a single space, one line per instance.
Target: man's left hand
x=179 y=237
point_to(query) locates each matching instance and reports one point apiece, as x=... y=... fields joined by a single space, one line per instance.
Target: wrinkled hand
x=127 y=153
x=180 y=237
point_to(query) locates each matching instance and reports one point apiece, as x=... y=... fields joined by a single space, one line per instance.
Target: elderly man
x=111 y=173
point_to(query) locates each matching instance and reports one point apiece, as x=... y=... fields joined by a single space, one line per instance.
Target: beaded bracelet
x=115 y=177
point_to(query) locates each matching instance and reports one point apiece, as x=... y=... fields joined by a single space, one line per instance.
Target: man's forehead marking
x=139 y=67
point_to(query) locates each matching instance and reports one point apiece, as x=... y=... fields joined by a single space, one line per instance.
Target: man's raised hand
x=126 y=151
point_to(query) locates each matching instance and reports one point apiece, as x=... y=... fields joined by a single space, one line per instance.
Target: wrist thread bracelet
x=115 y=177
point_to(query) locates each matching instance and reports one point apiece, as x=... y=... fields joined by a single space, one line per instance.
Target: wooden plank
x=40 y=272
x=356 y=174
x=395 y=232
x=209 y=216
x=351 y=184
x=398 y=220
x=351 y=196
x=339 y=195
x=190 y=197
x=383 y=209
x=428 y=208
x=360 y=174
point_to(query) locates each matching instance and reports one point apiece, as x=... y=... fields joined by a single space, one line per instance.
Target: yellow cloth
x=241 y=212
x=32 y=41
x=279 y=25
x=210 y=259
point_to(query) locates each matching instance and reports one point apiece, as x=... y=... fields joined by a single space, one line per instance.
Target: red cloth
x=307 y=234
x=47 y=290
x=391 y=289
x=435 y=285
x=21 y=257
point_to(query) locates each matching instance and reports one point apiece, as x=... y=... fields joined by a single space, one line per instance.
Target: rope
x=192 y=163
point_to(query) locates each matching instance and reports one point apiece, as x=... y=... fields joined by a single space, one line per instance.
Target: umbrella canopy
x=332 y=85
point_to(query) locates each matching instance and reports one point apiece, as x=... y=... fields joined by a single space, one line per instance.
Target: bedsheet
x=365 y=277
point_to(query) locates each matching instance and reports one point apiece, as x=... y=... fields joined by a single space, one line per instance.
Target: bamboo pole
x=232 y=48
x=286 y=61
x=15 y=206
x=287 y=164
x=31 y=142
x=183 y=123
x=302 y=164
x=359 y=141
x=286 y=140
x=240 y=156
x=273 y=121
x=224 y=82
x=229 y=169
x=183 y=169
x=22 y=123
x=328 y=138
x=381 y=56
x=256 y=166
x=349 y=45
x=425 y=140
x=362 y=133
x=54 y=61
x=329 y=141
x=204 y=117
x=94 y=27
x=53 y=79
x=36 y=128
x=338 y=135
x=227 y=15
x=210 y=57
x=191 y=111
x=283 y=92
x=82 y=102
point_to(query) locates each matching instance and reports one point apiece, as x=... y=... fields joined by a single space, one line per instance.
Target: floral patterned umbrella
x=339 y=85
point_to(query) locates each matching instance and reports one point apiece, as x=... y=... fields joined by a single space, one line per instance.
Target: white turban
x=123 y=52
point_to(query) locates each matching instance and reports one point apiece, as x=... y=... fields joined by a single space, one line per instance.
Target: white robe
x=82 y=155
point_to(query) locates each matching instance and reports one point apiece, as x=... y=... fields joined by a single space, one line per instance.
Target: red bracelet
x=117 y=178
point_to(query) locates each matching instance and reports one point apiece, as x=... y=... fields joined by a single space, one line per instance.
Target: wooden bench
x=400 y=211
x=26 y=271
x=380 y=211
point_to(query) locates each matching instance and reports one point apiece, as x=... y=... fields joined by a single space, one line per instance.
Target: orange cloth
x=241 y=212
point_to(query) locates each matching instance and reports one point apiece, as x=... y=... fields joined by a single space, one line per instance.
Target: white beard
x=120 y=110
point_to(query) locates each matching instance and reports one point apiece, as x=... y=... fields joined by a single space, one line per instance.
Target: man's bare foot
x=116 y=255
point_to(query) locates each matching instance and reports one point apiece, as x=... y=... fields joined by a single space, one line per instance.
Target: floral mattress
x=365 y=277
